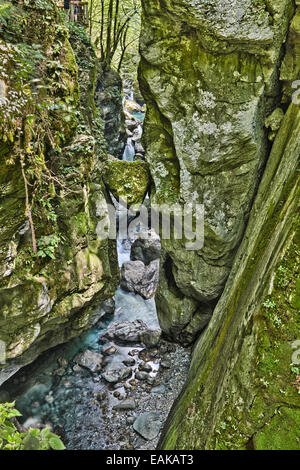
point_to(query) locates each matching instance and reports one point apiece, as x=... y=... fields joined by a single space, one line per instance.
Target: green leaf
x=56 y=443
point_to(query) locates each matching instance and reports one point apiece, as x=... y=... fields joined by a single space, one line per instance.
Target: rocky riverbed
x=113 y=387
x=114 y=395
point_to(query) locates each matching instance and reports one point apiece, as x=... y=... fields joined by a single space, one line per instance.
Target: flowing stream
x=79 y=404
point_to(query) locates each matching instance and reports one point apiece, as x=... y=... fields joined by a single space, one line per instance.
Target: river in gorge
x=80 y=405
x=98 y=393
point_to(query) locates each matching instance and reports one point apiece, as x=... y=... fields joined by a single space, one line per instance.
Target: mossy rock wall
x=50 y=296
x=242 y=392
x=209 y=73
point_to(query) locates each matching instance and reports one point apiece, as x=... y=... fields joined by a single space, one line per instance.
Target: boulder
x=150 y=338
x=146 y=248
x=140 y=279
x=117 y=375
x=148 y=425
x=128 y=332
x=89 y=360
x=127 y=181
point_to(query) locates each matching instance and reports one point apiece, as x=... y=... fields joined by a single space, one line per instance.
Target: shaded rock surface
x=108 y=99
x=146 y=249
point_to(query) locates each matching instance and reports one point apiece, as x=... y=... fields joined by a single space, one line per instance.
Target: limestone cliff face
x=210 y=75
x=235 y=65
x=54 y=268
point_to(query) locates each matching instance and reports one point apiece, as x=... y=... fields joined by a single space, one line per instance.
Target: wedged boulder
x=140 y=279
x=127 y=181
x=132 y=106
x=146 y=248
x=89 y=360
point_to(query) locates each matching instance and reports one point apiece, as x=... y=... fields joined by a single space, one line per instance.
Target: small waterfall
x=129 y=151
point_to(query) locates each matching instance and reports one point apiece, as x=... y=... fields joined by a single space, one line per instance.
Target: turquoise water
x=138 y=115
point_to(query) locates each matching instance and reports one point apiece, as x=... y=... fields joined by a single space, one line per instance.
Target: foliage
x=47 y=245
x=115 y=28
x=35 y=439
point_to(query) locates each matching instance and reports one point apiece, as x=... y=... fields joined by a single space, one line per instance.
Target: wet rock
x=139 y=375
x=128 y=404
x=165 y=364
x=115 y=376
x=140 y=279
x=159 y=389
x=133 y=352
x=147 y=355
x=129 y=362
x=126 y=331
x=146 y=249
x=150 y=338
x=145 y=367
x=90 y=360
x=148 y=425
x=109 y=349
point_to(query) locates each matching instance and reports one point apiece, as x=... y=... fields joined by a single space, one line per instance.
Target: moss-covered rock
x=209 y=74
x=127 y=181
x=51 y=147
x=241 y=383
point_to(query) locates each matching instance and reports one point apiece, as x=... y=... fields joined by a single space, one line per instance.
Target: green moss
x=281 y=433
x=127 y=180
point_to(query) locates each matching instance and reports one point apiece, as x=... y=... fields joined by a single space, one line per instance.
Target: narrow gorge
x=149 y=207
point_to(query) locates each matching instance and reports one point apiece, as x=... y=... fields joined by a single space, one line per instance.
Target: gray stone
x=140 y=279
x=150 y=338
x=127 y=404
x=146 y=249
x=148 y=425
x=126 y=331
x=145 y=367
x=139 y=375
x=89 y=360
x=116 y=376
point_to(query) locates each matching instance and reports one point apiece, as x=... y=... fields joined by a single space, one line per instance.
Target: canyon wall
x=222 y=129
x=55 y=271
x=210 y=75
